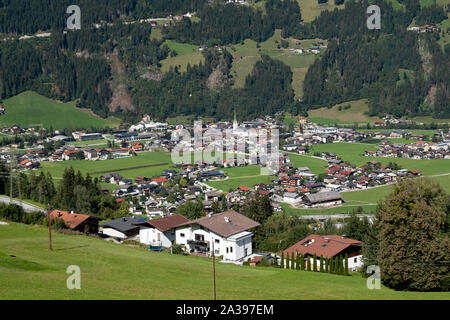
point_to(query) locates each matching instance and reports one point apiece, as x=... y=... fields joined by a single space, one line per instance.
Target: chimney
x=227 y=220
x=71 y=211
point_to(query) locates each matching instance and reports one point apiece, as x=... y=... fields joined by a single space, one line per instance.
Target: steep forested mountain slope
x=363 y=63
x=120 y=63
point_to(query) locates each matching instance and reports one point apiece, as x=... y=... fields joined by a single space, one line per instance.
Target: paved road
x=333 y=216
x=26 y=206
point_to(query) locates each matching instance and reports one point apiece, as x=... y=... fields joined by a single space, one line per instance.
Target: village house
x=125 y=228
x=160 y=233
x=329 y=246
x=76 y=221
x=227 y=231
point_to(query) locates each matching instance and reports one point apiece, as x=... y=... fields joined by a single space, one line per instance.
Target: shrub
x=287 y=261
x=346 y=265
x=321 y=263
x=314 y=262
x=292 y=261
x=58 y=224
x=302 y=262
x=178 y=249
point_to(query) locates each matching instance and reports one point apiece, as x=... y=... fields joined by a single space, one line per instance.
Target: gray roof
x=323 y=196
x=123 y=224
x=59 y=138
x=291 y=194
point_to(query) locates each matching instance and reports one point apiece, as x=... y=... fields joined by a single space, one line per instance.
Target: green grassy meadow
x=353 y=152
x=316 y=166
x=357 y=113
x=32 y=109
x=246 y=176
x=157 y=161
x=186 y=54
x=346 y=208
x=247 y=54
x=311 y=9
x=117 y=271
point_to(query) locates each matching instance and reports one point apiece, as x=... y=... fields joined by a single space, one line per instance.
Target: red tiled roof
x=72 y=220
x=326 y=245
x=159 y=180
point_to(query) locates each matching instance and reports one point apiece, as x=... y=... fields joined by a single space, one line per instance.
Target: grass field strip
x=130 y=168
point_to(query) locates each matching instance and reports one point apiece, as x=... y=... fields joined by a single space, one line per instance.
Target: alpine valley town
x=224 y=150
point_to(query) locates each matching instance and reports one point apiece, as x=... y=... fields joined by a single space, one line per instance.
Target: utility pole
x=214 y=269
x=49 y=229
x=10 y=177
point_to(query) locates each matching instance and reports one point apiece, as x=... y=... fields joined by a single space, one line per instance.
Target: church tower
x=235 y=123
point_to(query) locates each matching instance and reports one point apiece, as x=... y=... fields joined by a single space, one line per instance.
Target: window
x=231 y=249
x=182 y=235
x=355 y=260
x=227 y=249
x=217 y=241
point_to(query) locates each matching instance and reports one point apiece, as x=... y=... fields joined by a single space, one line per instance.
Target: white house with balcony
x=228 y=232
x=160 y=233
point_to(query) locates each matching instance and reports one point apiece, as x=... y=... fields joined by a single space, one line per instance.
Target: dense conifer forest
x=358 y=63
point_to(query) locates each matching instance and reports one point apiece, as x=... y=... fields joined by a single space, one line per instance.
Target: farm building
x=322 y=199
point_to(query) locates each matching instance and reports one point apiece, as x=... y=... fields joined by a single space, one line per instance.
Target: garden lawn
x=117 y=271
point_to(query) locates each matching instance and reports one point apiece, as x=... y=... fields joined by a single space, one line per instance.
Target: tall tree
x=414 y=247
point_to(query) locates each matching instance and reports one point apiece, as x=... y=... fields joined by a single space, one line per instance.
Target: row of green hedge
x=336 y=265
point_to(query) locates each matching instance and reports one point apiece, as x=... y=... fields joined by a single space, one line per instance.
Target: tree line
x=29 y=17
x=75 y=192
x=362 y=63
x=222 y=24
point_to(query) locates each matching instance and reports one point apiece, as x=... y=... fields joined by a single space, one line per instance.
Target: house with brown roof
x=160 y=232
x=227 y=232
x=77 y=221
x=329 y=246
